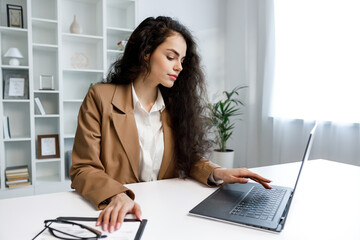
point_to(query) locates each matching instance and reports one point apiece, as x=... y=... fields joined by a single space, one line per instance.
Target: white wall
x=205 y=20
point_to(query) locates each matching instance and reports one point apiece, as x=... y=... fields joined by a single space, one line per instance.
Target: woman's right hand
x=112 y=217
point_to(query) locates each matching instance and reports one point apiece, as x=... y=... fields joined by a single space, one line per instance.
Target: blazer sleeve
x=88 y=174
x=201 y=171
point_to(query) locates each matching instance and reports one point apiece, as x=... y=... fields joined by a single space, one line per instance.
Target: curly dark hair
x=185 y=101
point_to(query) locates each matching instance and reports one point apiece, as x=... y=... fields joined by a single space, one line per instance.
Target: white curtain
x=262 y=139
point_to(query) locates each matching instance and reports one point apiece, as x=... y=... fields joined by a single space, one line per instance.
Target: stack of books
x=17 y=176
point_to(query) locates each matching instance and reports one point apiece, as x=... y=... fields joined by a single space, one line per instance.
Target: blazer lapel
x=125 y=125
x=168 y=144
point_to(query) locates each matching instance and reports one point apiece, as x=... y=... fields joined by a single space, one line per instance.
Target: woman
x=146 y=123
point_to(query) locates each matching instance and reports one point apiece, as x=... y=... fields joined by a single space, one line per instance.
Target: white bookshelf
x=74 y=60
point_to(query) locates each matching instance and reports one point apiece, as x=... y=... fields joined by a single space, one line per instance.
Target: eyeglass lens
x=70 y=231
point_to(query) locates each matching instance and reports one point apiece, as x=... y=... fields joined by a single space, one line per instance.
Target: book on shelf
x=6 y=127
x=17 y=176
x=17 y=181
x=16 y=185
x=17 y=169
x=40 y=106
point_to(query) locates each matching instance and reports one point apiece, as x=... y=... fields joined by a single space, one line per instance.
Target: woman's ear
x=147 y=57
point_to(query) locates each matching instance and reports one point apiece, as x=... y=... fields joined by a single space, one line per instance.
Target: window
x=317 y=60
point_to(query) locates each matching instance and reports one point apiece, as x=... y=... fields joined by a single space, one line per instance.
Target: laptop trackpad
x=220 y=204
x=227 y=196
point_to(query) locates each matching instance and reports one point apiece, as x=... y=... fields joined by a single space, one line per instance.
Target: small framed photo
x=16 y=86
x=46 y=82
x=48 y=146
x=15 y=16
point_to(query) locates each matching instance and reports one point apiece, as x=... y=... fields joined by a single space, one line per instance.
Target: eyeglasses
x=63 y=229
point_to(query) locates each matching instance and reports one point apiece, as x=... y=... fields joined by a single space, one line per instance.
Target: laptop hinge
x=281 y=224
x=284 y=215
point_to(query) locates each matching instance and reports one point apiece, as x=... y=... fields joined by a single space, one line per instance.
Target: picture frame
x=15 y=16
x=16 y=86
x=46 y=82
x=48 y=146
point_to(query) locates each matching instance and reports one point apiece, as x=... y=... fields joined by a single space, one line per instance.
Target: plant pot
x=224 y=159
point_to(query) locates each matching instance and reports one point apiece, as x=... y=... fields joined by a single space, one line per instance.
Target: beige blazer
x=106 y=148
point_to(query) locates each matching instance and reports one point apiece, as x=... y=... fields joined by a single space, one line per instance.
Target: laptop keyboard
x=260 y=203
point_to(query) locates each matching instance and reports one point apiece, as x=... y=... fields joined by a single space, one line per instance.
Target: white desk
x=317 y=211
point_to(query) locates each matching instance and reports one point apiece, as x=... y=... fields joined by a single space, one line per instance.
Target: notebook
x=251 y=204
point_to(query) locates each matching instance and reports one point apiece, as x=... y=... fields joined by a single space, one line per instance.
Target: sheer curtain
x=268 y=135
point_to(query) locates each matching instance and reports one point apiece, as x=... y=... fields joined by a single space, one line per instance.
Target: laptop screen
x=306 y=154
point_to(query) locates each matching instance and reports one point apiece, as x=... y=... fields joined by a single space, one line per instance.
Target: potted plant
x=221 y=124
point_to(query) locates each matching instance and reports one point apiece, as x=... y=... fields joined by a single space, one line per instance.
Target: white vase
x=75 y=26
x=224 y=159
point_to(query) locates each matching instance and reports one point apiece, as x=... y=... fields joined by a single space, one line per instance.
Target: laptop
x=251 y=204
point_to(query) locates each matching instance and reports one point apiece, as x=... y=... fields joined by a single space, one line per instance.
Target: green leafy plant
x=221 y=114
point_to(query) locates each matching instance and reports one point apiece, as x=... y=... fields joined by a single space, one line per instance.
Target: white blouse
x=151 y=137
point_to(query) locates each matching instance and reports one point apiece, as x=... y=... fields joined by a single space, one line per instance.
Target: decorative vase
x=224 y=159
x=75 y=26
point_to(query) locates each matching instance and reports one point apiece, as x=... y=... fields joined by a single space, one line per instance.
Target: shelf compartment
x=19 y=118
x=120 y=14
x=44 y=32
x=45 y=63
x=82 y=54
x=17 y=39
x=24 y=73
x=44 y=126
x=71 y=111
x=77 y=84
x=88 y=14
x=18 y=153
x=48 y=171
x=114 y=36
x=46 y=9
x=50 y=103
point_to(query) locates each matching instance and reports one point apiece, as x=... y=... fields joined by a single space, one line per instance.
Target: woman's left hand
x=239 y=175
